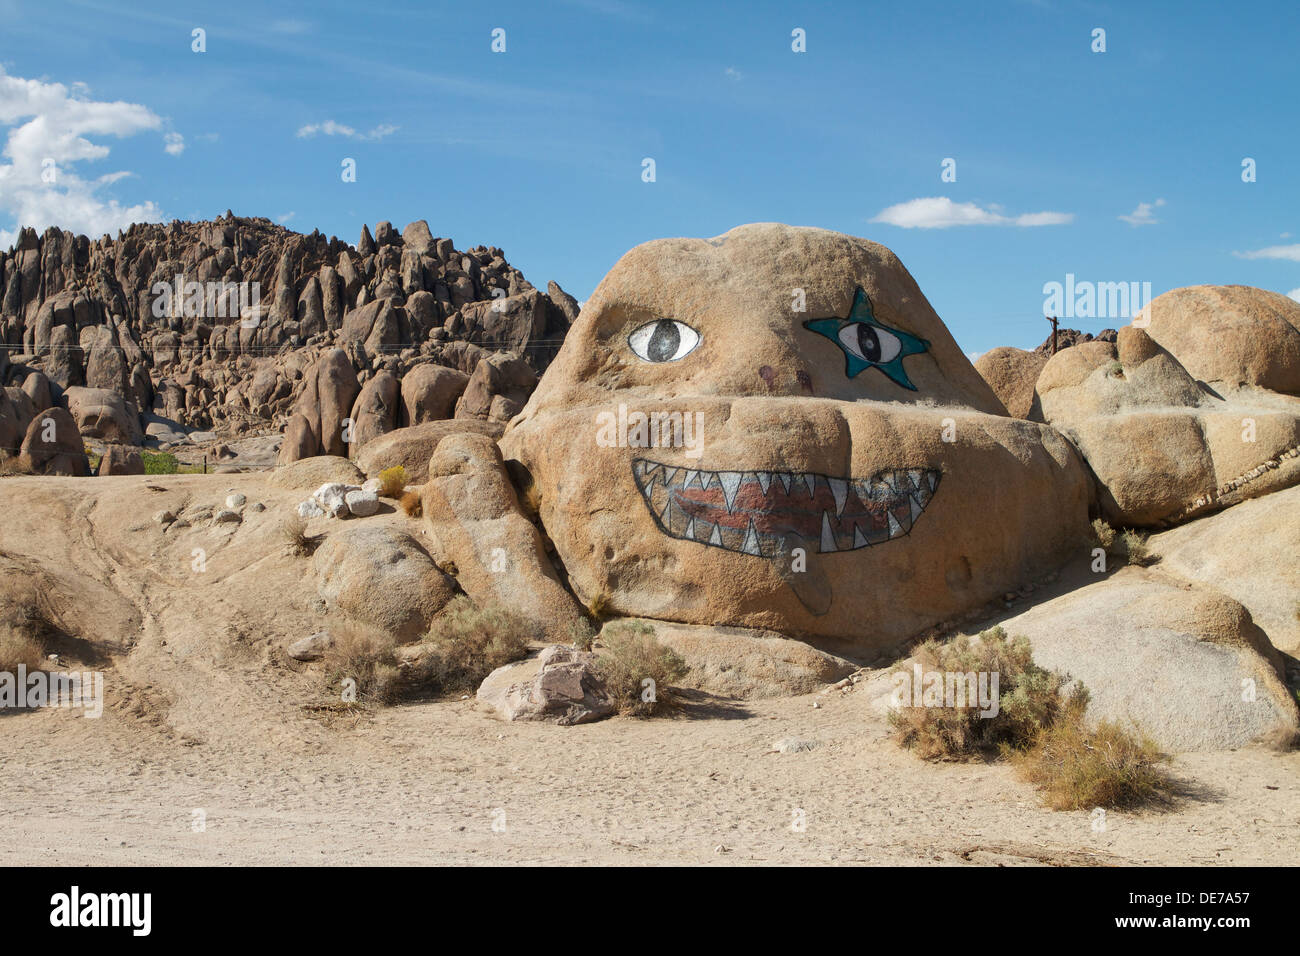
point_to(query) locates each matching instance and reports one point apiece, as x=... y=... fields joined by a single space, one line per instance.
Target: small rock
x=226 y=516
x=164 y=517
x=309 y=509
x=235 y=501
x=372 y=485
x=311 y=648
x=257 y=506
x=794 y=745
x=332 y=498
x=362 y=503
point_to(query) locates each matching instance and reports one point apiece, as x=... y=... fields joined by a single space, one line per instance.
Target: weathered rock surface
x=413 y=447
x=383 y=578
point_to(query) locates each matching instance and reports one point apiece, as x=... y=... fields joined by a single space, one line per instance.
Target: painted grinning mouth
x=760 y=512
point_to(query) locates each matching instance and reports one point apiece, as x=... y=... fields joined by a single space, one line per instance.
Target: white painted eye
x=663 y=340
x=870 y=342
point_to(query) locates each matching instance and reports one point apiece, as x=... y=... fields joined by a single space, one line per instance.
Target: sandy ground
x=424 y=784
x=204 y=715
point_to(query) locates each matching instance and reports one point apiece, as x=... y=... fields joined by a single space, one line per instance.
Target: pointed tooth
x=858 y=540
x=690 y=477
x=828 y=536
x=707 y=478
x=915 y=476
x=933 y=479
x=669 y=475
x=751 y=541
x=810 y=480
x=785 y=477
x=689 y=533
x=916 y=508
x=764 y=480
x=895 y=528
x=840 y=489
x=715 y=537
x=730 y=482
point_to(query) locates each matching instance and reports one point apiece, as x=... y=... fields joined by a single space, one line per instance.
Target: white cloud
x=175 y=144
x=1294 y=294
x=285 y=217
x=1290 y=253
x=48 y=125
x=331 y=128
x=732 y=73
x=974 y=356
x=940 y=212
x=1144 y=214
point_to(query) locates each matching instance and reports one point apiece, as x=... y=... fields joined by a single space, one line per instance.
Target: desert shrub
x=293 y=531
x=1040 y=727
x=1109 y=766
x=468 y=642
x=159 y=462
x=1029 y=698
x=412 y=504
x=582 y=635
x=632 y=655
x=392 y=482
x=367 y=656
x=1127 y=545
x=25 y=628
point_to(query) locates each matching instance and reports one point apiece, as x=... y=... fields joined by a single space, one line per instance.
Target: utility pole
x=1055 y=322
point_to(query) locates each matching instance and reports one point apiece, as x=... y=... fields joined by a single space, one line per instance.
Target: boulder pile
x=239 y=326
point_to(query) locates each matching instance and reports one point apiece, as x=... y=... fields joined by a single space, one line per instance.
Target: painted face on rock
x=750 y=429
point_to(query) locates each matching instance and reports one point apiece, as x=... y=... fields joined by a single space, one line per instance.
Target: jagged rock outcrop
x=223 y=325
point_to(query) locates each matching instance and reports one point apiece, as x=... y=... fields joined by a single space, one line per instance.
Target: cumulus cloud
x=331 y=128
x=1294 y=294
x=1144 y=214
x=940 y=212
x=1290 y=253
x=49 y=129
x=175 y=144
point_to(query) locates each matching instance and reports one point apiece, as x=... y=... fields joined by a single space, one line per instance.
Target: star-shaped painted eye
x=867 y=343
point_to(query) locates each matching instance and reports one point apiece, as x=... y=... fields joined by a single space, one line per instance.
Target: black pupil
x=868 y=343
x=664 y=341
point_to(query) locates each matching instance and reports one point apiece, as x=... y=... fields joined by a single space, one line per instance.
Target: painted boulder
x=773 y=429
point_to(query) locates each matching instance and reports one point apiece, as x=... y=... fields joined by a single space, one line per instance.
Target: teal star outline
x=861 y=313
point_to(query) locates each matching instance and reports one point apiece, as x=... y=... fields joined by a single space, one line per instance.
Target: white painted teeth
x=785 y=480
x=828 y=536
x=751 y=541
x=858 y=540
x=810 y=480
x=894 y=527
x=691 y=476
x=716 y=537
x=916 y=508
x=764 y=480
x=730 y=481
x=689 y=533
x=840 y=489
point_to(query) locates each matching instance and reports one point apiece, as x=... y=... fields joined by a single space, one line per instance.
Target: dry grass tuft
x=412 y=504
x=632 y=656
x=1127 y=545
x=366 y=656
x=293 y=530
x=25 y=628
x=1108 y=766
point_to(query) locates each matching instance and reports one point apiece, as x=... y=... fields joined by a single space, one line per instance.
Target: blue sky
x=539 y=149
